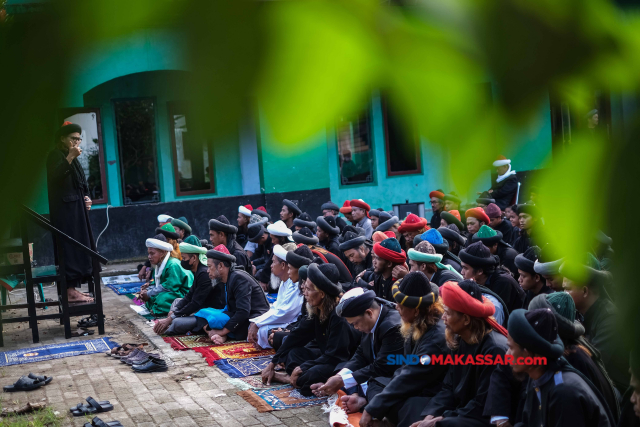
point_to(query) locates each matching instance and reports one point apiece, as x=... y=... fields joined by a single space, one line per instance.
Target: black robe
x=507 y=257
x=505 y=191
x=67 y=188
x=562 y=398
x=245 y=300
x=507 y=288
x=435 y=220
x=448 y=259
x=381 y=286
x=241 y=237
x=411 y=380
x=601 y=328
x=506 y=395
x=242 y=261
x=506 y=229
x=201 y=294
x=332 y=245
x=465 y=387
x=365 y=364
x=442 y=276
x=628 y=417
x=366 y=264
x=529 y=295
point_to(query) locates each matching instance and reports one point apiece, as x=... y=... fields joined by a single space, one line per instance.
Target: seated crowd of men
x=358 y=294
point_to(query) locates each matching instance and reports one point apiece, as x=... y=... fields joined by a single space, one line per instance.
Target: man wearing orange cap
x=346 y=211
x=506 y=186
x=437 y=206
x=413 y=226
x=360 y=214
x=476 y=218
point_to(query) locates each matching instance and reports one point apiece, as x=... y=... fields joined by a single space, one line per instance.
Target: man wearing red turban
x=437 y=206
x=360 y=214
x=472 y=334
x=387 y=258
x=411 y=227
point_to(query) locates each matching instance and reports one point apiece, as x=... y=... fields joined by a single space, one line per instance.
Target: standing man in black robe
x=478 y=264
x=323 y=340
x=557 y=394
x=380 y=322
x=68 y=205
x=221 y=232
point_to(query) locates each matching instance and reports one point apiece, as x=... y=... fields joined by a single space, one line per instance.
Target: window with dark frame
x=92 y=157
x=192 y=155
x=136 y=132
x=403 y=146
x=355 y=151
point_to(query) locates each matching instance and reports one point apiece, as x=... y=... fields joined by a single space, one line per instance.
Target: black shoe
x=150 y=366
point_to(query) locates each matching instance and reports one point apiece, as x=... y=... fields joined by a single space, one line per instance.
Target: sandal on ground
x=43 y=378
x=82 y=332
x=87 y=322
x=93 y=407
x=97 y=422
x=24 y=383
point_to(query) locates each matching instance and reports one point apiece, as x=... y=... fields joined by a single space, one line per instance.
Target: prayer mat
x=128 y=288
x=251 y=383
x=119 y=280
x=279 y=398
x=238 y=368
x=338 y=417
x=238 y=350
x=55 y=351
x=149 y=316
x=186 y=342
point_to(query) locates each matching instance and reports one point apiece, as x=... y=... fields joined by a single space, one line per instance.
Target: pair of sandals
x=93 y=407
x=88 y=322
x=97 y=422
x=28 y=383
x=125 y=350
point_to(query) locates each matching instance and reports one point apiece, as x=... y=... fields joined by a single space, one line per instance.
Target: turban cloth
x=325 y=277
x=456 y=298
x=501 y=161
x=493 y=211
x=187 y=248
x=245 y=210
x=437 y=194
x=379 y=236
x=346 y=207
x=168 y=231
x=221 y=253
x=159 y=244
x=414 y=291
x=357 y=203
x=292 y=207
x=389 y=249
x=181 y=223
x=487 y=235
x=537 y=331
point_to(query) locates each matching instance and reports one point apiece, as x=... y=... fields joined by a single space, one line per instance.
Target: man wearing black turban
x=68 y=205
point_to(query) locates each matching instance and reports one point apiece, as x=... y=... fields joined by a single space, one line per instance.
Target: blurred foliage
x=305 y=63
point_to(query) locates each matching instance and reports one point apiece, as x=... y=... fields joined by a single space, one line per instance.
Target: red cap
x=479 y=214
x=437 y=194
x=357 y=203
x=346 y=207
x=262 y=208
x=222 y=248
x=412 y=223
x=456 y=214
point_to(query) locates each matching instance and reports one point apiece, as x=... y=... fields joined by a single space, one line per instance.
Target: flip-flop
x=43 y=378
x=24 y=383
x=102 y=406
x=87 y=322
x=82 y=409
x=97 y=422
x=82 y=332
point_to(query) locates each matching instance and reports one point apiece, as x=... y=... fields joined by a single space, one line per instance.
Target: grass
x=42 y=418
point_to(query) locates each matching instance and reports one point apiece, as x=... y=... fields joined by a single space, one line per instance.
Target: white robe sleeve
x=286 y=308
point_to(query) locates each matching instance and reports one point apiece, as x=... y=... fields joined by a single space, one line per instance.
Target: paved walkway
x=190 y=393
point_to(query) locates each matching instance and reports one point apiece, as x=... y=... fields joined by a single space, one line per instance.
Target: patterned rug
x=238 y=368
x=279 y=398
x=251 y=383
x=55 y=351
x=238 y=350
x=187 y=342
x=123 y=289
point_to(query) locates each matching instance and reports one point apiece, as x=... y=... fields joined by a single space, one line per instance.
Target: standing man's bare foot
x=73 y=295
